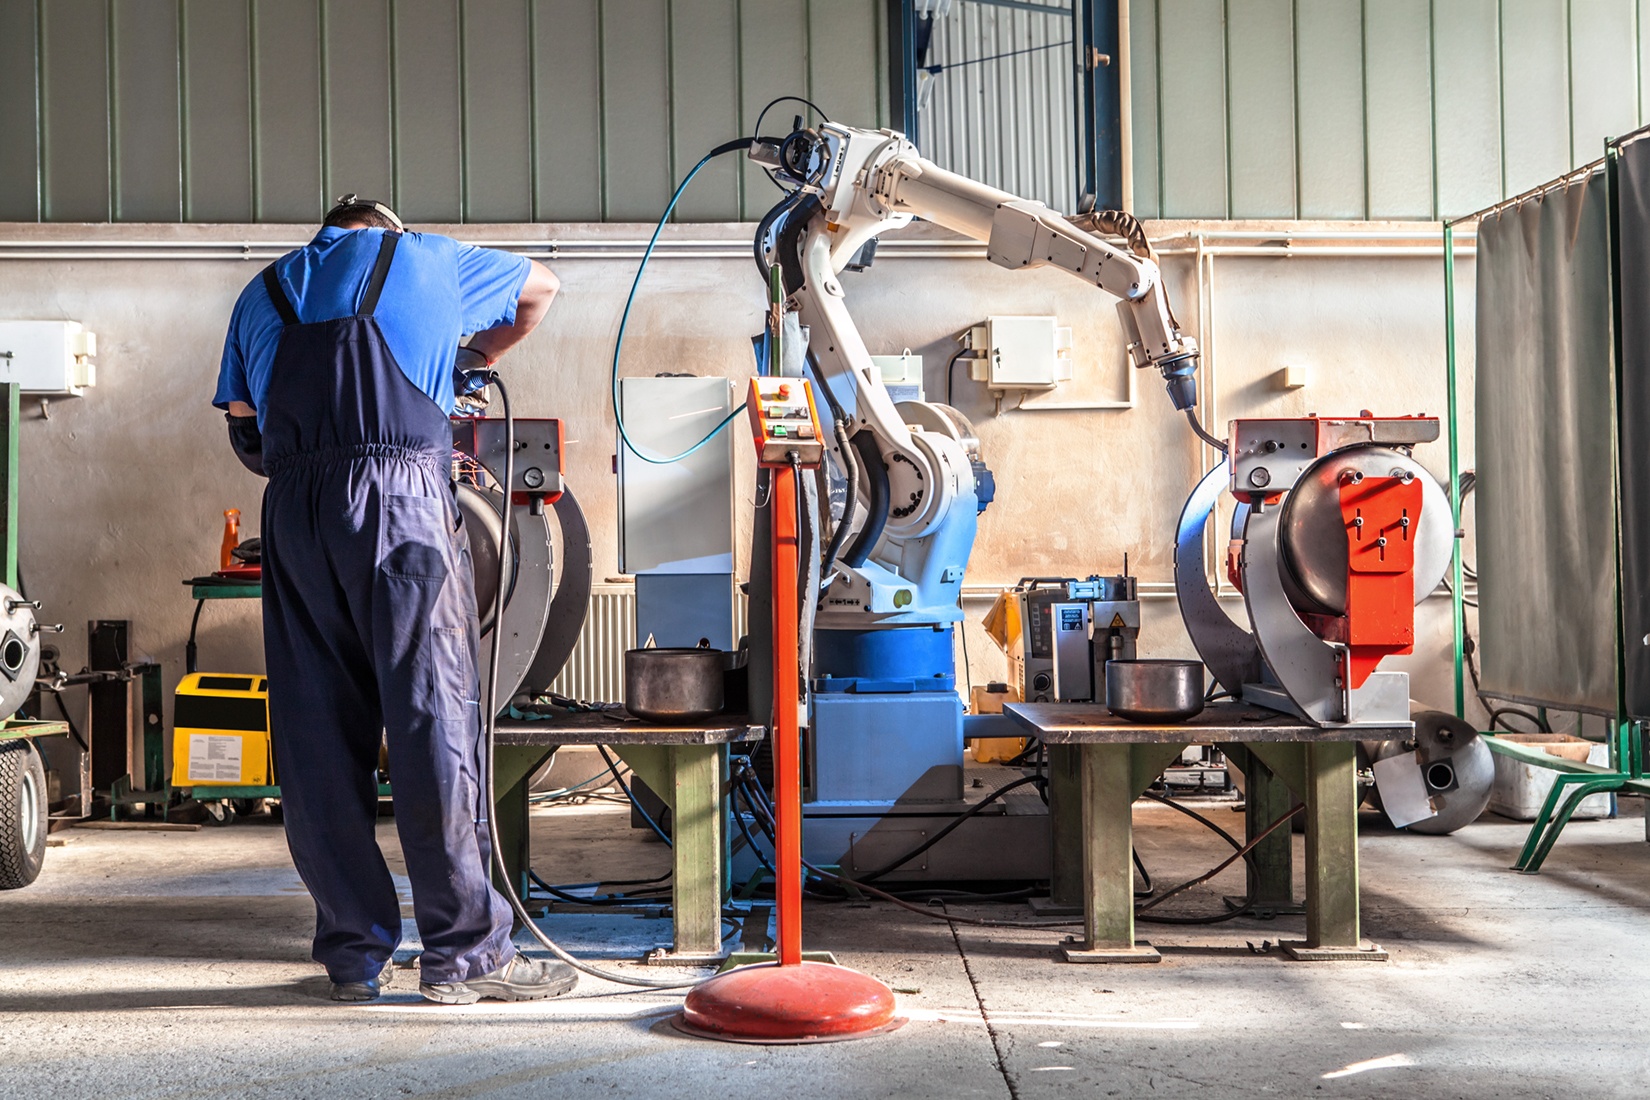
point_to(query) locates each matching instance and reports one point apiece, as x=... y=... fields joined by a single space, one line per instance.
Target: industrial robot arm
x=852 y=185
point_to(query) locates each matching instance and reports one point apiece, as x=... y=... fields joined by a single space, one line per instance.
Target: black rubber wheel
x=219 y=812
x=22 y=814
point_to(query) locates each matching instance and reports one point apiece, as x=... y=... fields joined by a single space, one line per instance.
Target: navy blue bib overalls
x=370 y=630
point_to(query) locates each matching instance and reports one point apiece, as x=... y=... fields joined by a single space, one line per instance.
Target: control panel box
x=784 y=421
x=540 y=449
x=1269 y=456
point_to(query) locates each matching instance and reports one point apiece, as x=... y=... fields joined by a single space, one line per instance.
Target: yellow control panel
x=784 y=420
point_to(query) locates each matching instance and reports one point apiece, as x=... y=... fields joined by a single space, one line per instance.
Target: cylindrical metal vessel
x=673 y=685
x=1154 y=691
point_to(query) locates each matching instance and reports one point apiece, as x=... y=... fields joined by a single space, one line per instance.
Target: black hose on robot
x=876 y=502
x=850 y=463
x=490 y=718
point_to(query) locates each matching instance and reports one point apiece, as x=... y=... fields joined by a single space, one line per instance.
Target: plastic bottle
x=231 y=537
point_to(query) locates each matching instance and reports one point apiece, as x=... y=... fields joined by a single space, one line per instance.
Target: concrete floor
x=175 y=965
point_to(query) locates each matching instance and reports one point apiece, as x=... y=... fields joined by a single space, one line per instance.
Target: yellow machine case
x=220 y=731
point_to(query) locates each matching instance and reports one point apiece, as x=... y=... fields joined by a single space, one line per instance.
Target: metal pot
x=1154 y=691
x=673 y=685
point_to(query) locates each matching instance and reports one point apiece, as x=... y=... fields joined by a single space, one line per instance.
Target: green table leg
x=1272 y=875
x=1332 y=930
x=1065 y=819
x=1106 y=785
x=513 y=766
x=698 y=774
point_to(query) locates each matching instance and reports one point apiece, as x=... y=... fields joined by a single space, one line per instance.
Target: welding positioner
x=1338 y=534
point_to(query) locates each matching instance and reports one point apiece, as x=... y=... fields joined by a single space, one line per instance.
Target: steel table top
x=618 y=727
x=1092 y=723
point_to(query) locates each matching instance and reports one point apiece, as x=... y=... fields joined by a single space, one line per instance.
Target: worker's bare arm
x=536 y=296
x=241 y=408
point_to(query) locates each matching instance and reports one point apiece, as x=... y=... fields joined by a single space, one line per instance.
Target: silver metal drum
x=1456 y=766
x=1314 y=533
x=1154 y=691
x=482 y=511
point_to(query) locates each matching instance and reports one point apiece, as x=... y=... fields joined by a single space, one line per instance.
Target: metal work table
x=1103 y=763
x=686 y=765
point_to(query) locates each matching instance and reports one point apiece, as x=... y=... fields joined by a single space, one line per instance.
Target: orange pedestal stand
x=788 y=1001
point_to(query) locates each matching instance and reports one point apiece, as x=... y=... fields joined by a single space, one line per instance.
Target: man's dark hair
x=354 y=217
x=352 y=211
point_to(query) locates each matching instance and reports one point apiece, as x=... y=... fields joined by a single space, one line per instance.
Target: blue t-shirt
x=438 y=290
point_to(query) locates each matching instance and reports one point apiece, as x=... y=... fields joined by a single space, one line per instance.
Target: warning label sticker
x=1117 y=621
x=214 y=758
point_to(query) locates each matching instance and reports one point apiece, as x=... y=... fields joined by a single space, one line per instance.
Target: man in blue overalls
x=337 y=381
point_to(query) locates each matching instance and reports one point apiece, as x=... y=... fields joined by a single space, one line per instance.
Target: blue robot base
x=887 y=769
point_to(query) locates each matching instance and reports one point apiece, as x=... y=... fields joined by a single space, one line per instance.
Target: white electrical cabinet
x=1021 y=353
x=48 y=358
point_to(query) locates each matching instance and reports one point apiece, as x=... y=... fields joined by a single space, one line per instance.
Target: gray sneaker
x=520 y=979
x=367 y=990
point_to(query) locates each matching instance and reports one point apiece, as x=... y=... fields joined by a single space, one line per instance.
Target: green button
x=779 y=431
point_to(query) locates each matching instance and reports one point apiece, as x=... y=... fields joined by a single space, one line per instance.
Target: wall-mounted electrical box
x=901 y=375
x=48 y=358
x=1021 y=353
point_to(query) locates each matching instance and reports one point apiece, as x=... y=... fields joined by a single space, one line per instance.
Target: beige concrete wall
x=123 y=489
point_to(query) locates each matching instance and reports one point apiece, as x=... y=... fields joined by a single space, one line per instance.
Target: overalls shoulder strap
x=277 y=296
x=380 y=272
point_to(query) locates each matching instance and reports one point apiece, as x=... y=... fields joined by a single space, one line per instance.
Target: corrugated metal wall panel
x=564 y=110
x=773 y=61
x=217 y=112
x=1330 y=94
x=1008 y=122
x=74 y=76
x=636 y=168
x=704 y=104
x=286 y=110
x=1396 y=109
x=455 y=110
x=147 y=183
x=567 y=111
x=1604 y=75
x=356 y=119
x=19 y=114
x=498 y=81
x=1398 y=122
x=429 y=104
x=1260 y=88
x=1192 y=116
x=1535 y=92
x=843 y=75
x=1466 y=70
x=1143 y=70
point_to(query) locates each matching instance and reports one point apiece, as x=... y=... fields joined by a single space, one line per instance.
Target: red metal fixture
x=1381 y=514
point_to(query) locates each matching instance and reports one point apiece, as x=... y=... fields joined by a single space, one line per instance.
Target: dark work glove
x=247 y=441
x=470 y=393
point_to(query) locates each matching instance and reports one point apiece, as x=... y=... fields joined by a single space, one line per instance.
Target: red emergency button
x=784 y=392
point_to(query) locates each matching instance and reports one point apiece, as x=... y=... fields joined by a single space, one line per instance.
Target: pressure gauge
x=533 y=477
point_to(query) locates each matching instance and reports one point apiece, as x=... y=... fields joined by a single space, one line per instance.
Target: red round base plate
x=769 y=1003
